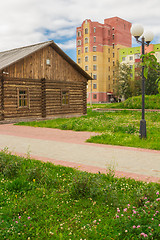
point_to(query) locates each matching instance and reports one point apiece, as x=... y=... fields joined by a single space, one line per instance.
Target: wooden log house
x=40 y=81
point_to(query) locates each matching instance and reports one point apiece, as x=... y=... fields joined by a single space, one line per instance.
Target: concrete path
x=69 y=148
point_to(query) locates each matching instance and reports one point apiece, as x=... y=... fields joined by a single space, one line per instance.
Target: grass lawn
x=43 y=201
x=115 y=128
x=151 y=102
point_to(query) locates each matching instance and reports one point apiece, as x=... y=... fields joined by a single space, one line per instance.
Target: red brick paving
x=70 y=137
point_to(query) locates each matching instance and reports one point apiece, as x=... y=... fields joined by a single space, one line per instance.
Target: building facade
x=131 y=56
x=98 y=51
x=39 y=82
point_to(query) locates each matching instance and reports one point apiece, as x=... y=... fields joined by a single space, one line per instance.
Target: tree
x=151 y=73
x=123 y=82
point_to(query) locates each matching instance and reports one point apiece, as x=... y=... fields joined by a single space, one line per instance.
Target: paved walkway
x=68 y=148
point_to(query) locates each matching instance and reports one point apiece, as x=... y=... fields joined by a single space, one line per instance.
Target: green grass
x=115 y=128
x=151 y=102
x=43 y=201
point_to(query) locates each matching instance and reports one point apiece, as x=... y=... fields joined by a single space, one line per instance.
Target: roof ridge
x=32 y=45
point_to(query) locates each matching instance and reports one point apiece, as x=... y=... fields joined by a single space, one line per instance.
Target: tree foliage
x=123 y=82
x=151 y=73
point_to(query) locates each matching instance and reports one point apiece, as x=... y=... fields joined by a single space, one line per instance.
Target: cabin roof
x=10 y=57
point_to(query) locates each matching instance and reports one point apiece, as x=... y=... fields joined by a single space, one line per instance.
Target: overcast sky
x=25 y=22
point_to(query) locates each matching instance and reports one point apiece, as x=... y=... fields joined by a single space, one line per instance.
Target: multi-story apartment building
x=97 y=53
x=131 y=56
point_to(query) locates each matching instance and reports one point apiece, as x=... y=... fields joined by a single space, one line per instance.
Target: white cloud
x=24 y=22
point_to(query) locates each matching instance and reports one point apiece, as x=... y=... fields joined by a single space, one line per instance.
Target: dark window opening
x=65 y=97
x=23 y=98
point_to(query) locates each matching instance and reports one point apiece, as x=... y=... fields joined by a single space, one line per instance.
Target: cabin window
x=48 y=62
x=65 y=97
x=22 y=98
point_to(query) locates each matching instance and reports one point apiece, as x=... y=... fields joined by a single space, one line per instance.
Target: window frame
x=86 y=49
x=79 y=34
x=94 y=76
x=94 y=58
x=86 y=59
x=86 y=40
x=94 y=85
x=86 y=68
x=23 y=89
x=79 y=43
x=65 y=104
x=94 y=96
x=86 y=30
x=94 y=67
x=94 y=48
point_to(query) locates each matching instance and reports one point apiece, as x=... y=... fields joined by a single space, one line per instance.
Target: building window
x=95 y=76
x=113 y=63
x=22 y=98
x=94 y=39
x=94 y=96
x=113 y=36
x=48 y=62
x=86 y=68
x=94 y=67
x=109 y=77
x=123 y=58
x=94 y=29
x=86 y=30
x=79 y=52
x=113 y=55
x=94 y=49
x=113 y=45
x=86 y=59
x=94 y=58
x=131 y=66
x=65 y=97
x=79 y=60
x=79 y=34
x=113 y=73
x=108 y=50
x=109 y=69
x=108 y=59
x=86 y=49
x=79 y=42
x=131 y=58
x=94 y=86
x=86 y=40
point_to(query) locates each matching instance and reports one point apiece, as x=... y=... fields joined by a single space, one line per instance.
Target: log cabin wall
x=44 y=85
x=12 y=108
x=1 y=98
